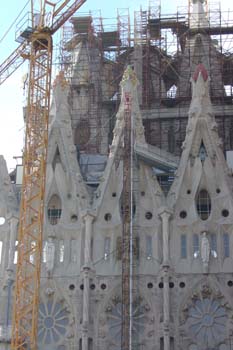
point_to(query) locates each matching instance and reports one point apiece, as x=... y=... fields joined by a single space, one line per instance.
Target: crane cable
x=8 y=30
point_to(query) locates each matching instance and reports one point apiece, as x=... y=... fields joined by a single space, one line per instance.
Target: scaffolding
x=164 y=50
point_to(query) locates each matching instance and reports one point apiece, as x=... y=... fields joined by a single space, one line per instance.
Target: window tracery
x=205 y=318
x=54 y=209
x=53 y=322
x=203 y=204
x=112 y=318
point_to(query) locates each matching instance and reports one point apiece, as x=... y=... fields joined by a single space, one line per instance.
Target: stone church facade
x=182 y=243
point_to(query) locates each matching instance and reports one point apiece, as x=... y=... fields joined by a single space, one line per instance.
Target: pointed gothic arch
x=203 y=204
x=54 y=209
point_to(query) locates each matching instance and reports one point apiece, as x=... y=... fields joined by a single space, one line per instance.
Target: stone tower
x=181 y=210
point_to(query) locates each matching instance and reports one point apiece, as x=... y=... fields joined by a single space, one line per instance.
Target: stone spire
x=198 y=16
x=129 y=99
x=129 y=86
x=129 y=103
x=200 y=93
x=201 y=136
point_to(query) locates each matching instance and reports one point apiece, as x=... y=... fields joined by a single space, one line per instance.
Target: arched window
x=149 y=247
x=202 y=152
x=183 y=246
x=203 y=204
x=226 y=245
x=1 y=244
x=171 y=93
x=195 y=244
x=54 y=209
x=61 y=250
x=107 y=247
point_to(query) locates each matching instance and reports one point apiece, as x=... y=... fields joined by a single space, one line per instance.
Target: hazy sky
x=12 y=94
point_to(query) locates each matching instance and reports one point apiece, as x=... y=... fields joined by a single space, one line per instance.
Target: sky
x=12 y=93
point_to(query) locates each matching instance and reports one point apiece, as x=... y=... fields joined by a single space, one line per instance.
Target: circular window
x=161 y=285
x=71 y=286
x=188 y=191
x=2 y=220
x=206 y=322
x=54 y=209
x=182 y=284
x=230 y=283
x=92 y=286
x=225 y=213
x=171 y=285
x=73 y=218
x=103 y=286
x=183 y=214
x=81 y=286
x=52 y=323
x=218 y=190
x=148 y=215
x=150 y=285
x=114 y=321
x=107 y=217
x=114 y=194
x=203 y=204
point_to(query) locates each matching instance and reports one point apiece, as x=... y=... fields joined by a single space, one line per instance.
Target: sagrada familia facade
x=182 y=205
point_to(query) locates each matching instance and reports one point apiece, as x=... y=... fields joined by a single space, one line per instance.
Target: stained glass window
x=207 y=323
x=52 y=323
x=149 y=247
x=183 y=246
x=195 y=243
x=203 y=204
x=226 y=245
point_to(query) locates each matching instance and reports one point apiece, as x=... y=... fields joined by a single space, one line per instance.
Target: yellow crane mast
x=25 y=311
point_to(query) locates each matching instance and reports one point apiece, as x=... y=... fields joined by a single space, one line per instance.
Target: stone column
x=8 y=282
x=165 y=215
x=166 y=308
x=88 y=219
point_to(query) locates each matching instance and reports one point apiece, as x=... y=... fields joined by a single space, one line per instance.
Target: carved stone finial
x=198 y=16
x=200 y=69
x=129 y=74
x=200 y=105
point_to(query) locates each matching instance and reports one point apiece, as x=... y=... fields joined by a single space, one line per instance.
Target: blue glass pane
x=226 y=245
x=183 y=247
x=207 y=323
x=195 y=243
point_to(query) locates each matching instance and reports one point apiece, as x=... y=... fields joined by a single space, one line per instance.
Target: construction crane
x=37 y=47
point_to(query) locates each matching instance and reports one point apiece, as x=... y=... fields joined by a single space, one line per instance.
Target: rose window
x=53 y=322
x=114 y=321
x=206 y=322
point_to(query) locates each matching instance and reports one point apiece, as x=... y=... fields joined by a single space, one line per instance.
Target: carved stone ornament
x=111 y=319
x=205 y=251
x=50 y=255
x=205 y=318
x=54 y=321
